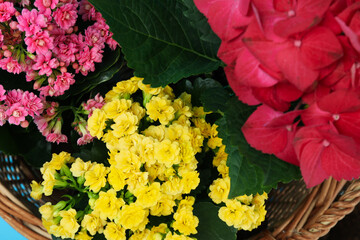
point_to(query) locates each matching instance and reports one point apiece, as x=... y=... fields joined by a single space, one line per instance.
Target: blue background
x=8 y=233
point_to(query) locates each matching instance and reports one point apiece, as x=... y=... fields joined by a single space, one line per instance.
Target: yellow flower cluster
x=243 y=212
x=152 y=167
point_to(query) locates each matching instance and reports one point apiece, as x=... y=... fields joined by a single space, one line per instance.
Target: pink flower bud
x=75 y=65
x=13 y=25
x=63 y=69
x=4 y=47
x=7 y=53
x=24 y=124
x=61 y=64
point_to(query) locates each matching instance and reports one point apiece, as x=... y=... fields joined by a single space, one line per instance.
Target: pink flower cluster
x=300 y=59
x=50 y=122
x=43 y=41
x=16 y=105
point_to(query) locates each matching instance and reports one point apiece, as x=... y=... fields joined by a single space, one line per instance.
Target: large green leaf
x=250 y=170
x=28 y=143
x=158 y=40
x=211 y=227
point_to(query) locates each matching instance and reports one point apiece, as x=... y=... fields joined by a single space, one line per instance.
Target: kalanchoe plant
x=151 y=184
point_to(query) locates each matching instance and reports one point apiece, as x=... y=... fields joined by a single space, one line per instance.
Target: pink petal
x=320 y=48
x=349 y=124
x=353 y=37
x=270 y=97
x=341 y=158
x=229 y=50
x=340 y=101
x=226 y=20
x=244 y=93
x=288 y=154
x=313 y=115
x=249 y=73
x=267 y=129
x=290 y=62
x=308 y=145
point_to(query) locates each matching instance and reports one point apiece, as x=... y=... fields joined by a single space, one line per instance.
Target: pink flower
x=16 y=114
x=40 y=43
x=2 y=93
x=42 y=5
x=66 y=49
x=93 y=37
x=85 y=139
x=45 y=63
x=87 y=59
x=87 y=10
x=63 y=82
x=14 y=96
x=31 y=22
x=56 y=135
x=7 y=10
x=92 y=104
x=11 y=65
x=32 y=104
x=66 y=16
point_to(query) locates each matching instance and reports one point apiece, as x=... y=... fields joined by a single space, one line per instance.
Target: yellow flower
x=160 y=109
x=148 y=196
x=157 y=132
x=115 y=107
x=96 y=177
x=137 y=180
x=133 y=217
x=185 y=221
x=108 y=205
x=181 y=107
x=111 y=95
x=36 y=190
x=173 y=186
x=177 y=132
x=214 y=140
x=69 y=222
x=167 y=152
x=125 y=124
x=245 y=199
x=187 y=152
x=223 y=169
x=155 y=170
x=127 y=161
x=116 y=178
x=82 y=235
x=127 y=87
x=60 y=231
x=188 y=201
x=219 y=190
x=96 y=123
x=148 y=89
x=220 y=156
x=47 y=211
x=204 y=127
x=79 y=167
x=167 y=91
x=197 y=139
x=147 y=150
x=164 y=206
x=259 y=200
x=57 y=161
x=110 y=140
x=49 y=182
x=114 y=232
x=93 y=223
x=190 y=181
x=141 y=235
x=137 y=110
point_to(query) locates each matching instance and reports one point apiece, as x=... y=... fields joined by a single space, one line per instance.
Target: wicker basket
x=294 y=212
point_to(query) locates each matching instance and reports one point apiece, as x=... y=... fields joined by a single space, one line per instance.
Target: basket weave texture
x=294 y=212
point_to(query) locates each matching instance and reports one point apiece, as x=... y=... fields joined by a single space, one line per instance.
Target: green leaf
x=95 y=152
x=158 y=40
x=250 y=170
x=211 y=227
x=28 y=143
